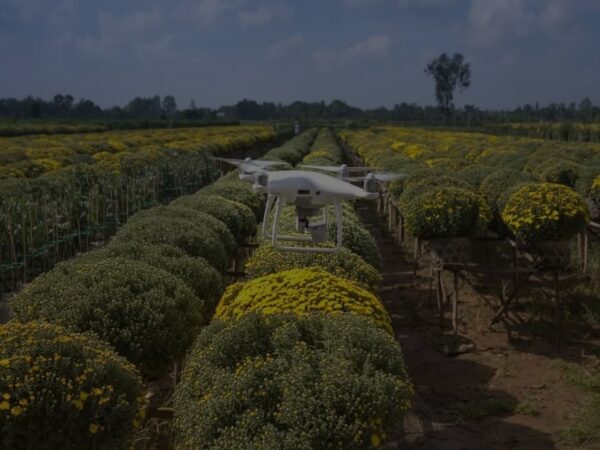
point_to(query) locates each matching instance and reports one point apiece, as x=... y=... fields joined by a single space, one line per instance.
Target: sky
x=369 y=53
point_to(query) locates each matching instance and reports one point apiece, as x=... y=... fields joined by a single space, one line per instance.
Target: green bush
x=358 y=240
x=281 y=382
x=446 y=212
x=232 y=188
x=562 y=172
x=149 y=316
x=475 y=174
x=545 y=211
x=239 y=218
x=194 y=238
x=196 y=272
x=196 y=217
x=64 y=390
x=265 y=260
x=415 y=186
x=496 y=184
x=293 y=150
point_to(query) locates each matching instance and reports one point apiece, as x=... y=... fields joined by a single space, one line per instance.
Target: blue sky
x=367 y=52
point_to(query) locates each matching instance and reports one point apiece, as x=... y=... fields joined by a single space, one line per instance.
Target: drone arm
x=338 y=216
x=280 y=205
x=270 y=200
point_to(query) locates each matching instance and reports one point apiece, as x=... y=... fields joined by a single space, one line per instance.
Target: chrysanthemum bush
x=150 y=316
x=496 y=184
x=546 y=211
x=295 y=149
x=64 y=390
x=232 y=188
x=281 y=382
x=420 y=184
x=446 y=212
x=196 y=272
x=266 y=260
x=301 y=291
x=239 y=218
x=197 y=217
x=195 y=239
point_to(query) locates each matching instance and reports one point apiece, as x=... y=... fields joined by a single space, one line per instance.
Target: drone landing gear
x=317 y=230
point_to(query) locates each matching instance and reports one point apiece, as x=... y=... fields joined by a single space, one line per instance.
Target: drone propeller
x=336 y=169
x=384 y=177
x=250 y=165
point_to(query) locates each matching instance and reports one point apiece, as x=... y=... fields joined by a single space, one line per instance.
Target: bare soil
x=506 y=391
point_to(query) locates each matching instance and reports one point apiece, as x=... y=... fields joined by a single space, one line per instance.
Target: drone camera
x=318 y=232
x=371 y=184
x=301 y=224
x=262 y=179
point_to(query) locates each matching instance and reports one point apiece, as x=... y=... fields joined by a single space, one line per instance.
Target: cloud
x=284 y=47
x=403 y=4
x=377 y=46
x=135 y=34
x=493 y=21
x=205 y=12
x=53 y=12
x=262 y=15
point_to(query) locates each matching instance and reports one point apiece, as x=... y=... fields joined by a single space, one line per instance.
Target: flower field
x=469 y=184
x=59 y=193
x=149 y=297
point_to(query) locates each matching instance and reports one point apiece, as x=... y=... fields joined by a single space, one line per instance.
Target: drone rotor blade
x=326 y=168
x=265 y=164
x=386 y=177
x=361 y=169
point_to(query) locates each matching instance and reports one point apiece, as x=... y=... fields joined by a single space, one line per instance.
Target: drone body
x=310 y=193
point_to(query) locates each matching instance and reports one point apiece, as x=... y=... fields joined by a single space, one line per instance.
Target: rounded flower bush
x=562 y=172
x=358 y=240
x=266 y=260
x=64 y=390
x=301 y=291
x=496 y=184
x=417 y=186
x=196 y=272
x=292 y=383
x=194 y=238
x=239 y=218
x=232 y=188
x=196 y=217
x=446 y=212
x=542 y=212
x=150 y=316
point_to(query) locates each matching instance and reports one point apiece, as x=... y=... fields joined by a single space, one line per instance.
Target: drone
x=310 y=192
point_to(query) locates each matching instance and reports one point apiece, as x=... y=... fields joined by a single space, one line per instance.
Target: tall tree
x=449 y=73
x=169 y=106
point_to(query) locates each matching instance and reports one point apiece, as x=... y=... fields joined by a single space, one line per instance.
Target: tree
x=169 y=106
x=449 y=73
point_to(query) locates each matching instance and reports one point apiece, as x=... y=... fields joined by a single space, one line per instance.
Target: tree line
x=66 y=107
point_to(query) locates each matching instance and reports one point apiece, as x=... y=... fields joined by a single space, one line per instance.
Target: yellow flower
x=4 y=362
x=94 y=427
x=4 y=405
x=16 y=411
x=375 y=440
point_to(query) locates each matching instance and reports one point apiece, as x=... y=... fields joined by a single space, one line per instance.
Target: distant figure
x=297 y=127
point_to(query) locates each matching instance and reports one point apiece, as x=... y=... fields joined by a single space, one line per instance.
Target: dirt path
x=497 y=395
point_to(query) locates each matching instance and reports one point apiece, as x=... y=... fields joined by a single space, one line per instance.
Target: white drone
x=310 y=192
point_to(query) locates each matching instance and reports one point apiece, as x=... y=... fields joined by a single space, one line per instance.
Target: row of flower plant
x=87 y=335
x=301 y=354
x=470 y=184
x=91 y=183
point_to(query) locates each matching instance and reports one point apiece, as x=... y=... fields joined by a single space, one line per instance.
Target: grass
x=527 y=407
x=484 y=406
x=586 y=428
